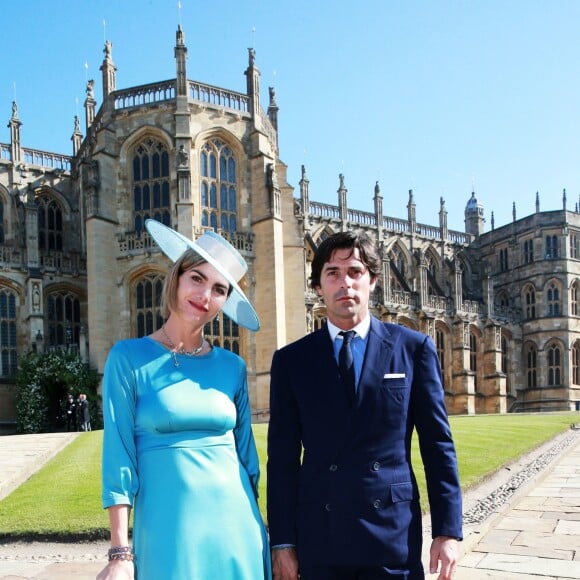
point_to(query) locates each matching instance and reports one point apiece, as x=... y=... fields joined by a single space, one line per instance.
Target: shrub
x=43 y=381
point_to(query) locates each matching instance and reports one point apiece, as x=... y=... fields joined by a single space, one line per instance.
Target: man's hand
x=285 y=564
x=444 y=549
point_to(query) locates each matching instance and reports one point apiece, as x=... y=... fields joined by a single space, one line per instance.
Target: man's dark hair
x=367 y=250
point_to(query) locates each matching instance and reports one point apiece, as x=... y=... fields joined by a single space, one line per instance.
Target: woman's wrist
x=120 y=553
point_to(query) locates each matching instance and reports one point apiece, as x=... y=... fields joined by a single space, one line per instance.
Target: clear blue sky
x=438 y=96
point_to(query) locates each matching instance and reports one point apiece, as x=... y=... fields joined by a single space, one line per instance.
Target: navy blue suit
x=352 y=498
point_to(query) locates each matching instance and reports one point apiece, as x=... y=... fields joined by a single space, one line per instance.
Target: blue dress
x=178 y=447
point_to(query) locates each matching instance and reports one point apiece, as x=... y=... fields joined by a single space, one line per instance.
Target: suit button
x=327 y=507
x=333 y=467
x=377 y=503
x=376 y=466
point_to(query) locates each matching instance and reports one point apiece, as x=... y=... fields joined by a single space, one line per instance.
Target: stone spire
x=412 y=212
x=181 y=62
x=90 y=104
x=443 y=219
x=14 y=125
x=342 y=202
x=109 y=71
x=304 y=191
x=77 y=137
x=253 y=83
x=273 y=108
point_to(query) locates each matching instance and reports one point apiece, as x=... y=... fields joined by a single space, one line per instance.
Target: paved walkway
x=534 y=535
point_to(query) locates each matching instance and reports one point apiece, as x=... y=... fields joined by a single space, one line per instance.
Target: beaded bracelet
x=121 y=553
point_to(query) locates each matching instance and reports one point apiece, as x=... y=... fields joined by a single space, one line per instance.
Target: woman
x=178 y=444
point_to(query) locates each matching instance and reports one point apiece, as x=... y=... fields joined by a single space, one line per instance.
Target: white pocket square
x=394 y=376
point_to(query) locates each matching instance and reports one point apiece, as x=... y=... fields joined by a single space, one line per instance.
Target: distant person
x=84 y=413
x=178 y=444
x=70 y=413
x=343 y=502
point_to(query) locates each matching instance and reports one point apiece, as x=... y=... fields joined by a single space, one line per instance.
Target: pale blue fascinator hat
x=220 y=254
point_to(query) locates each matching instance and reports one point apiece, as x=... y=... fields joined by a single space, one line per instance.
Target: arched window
x=473 y=355
x=528 y=251
x=553 y=297
x=147 y=299
x=551 y=247
x=573 y=246
x=398 y=260
x=49 y=224
x=554 y=365
x=530 y=302
x=218 y=187
x=64 y=319
x=531 y=356
x=576 y=363
x=8 y=359
x=574 y=299
x=151 y=197
x=503 y=260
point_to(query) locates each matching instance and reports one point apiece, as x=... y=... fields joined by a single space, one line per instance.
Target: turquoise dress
x=178 y=447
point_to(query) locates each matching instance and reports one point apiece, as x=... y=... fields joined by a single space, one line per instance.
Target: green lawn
x=62 y=500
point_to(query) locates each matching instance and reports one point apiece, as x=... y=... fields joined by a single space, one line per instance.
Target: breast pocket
x=395 y=394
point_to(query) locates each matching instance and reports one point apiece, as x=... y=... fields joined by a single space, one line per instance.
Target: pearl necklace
x=175 y=351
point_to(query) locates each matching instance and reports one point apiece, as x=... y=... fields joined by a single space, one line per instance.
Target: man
x=70 y=409
x=343 y=502
x=84 y=413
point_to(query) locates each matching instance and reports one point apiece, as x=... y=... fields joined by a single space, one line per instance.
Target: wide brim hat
x=220 y=254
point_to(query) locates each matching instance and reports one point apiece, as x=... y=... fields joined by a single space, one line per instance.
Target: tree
x=43 y=381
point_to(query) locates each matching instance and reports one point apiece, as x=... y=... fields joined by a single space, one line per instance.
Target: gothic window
x=218 y=187
x=554 y=307
x=398 y=259
x=531 y=356
x=503 y=260
x=574 y=311
x=150 y=184
x=576 y=363
x=224 y=332
x=147 y=299
x=64 y=319
x=49 y=224
x=573 y=246
x=528 y=251
x=551 y=247
x=8 y=359
x=473 y=355
x=530 y=302
x=432 y=285
x=554 y=365
x=440 y=344
x=1 y=221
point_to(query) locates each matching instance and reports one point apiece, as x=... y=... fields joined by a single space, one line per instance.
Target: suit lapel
x=377 y=357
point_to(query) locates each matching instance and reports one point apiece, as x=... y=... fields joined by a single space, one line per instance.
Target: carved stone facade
x=78 y=270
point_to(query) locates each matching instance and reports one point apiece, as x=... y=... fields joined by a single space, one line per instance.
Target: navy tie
x=346 y=363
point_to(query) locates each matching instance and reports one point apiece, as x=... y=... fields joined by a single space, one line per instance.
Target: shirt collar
x=361 y=329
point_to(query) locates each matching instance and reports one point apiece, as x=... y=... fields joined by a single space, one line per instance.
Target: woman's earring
x=217 y=317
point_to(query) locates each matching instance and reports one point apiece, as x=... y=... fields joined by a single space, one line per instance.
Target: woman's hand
x=117 y=570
